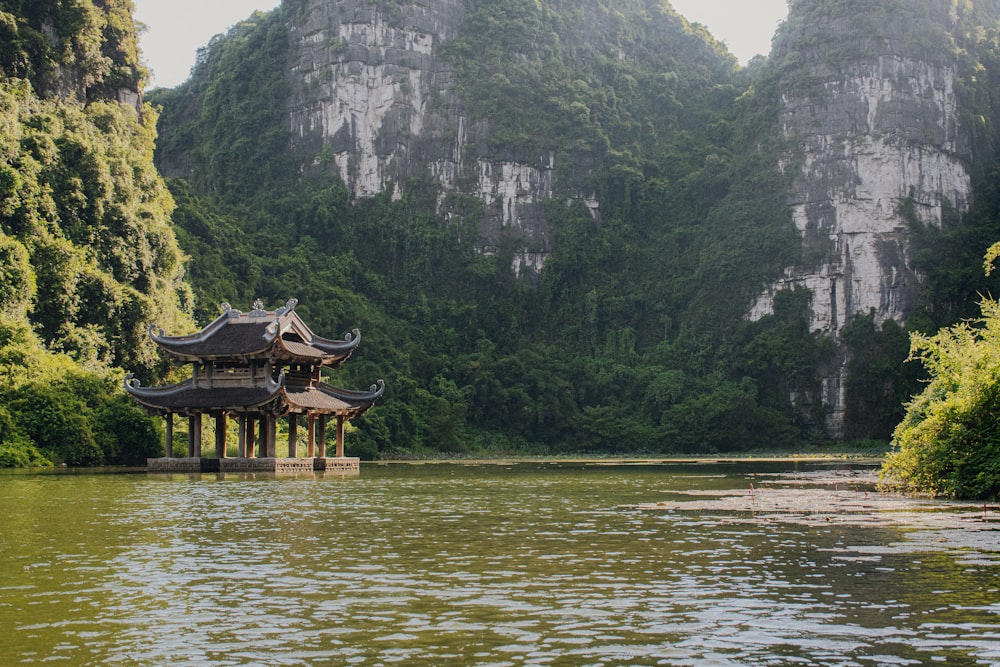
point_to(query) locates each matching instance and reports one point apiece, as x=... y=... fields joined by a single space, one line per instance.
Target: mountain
x=875 y=123
x=382 y=95
x=561 y=225
x=88 y=256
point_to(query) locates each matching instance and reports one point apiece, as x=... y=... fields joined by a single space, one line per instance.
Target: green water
x=527 y=564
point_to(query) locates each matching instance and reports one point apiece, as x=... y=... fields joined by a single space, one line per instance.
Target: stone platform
x=346 y=465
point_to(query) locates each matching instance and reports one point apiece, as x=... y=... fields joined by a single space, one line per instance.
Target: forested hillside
x=633 y=337
x=88 y=257
x=551 y=220
x=630 y=339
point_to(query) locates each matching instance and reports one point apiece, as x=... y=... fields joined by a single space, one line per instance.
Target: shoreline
x=864 y=459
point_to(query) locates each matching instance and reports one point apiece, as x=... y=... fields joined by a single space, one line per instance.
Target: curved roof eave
x=346 y=346
x=164 y=399
x=162 y=339
x=333 y=400
x=351 y=396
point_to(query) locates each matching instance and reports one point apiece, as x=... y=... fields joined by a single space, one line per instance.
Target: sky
x=176 y=29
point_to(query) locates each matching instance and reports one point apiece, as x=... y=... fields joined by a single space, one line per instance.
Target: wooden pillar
x=168 y=451
x=293 y=435
x=321 y=437
x=220 y=435
x=241 y=439
x=272 y=435
x=311 y=435
x=194 y=436
x=340 y=436
x=251 y=435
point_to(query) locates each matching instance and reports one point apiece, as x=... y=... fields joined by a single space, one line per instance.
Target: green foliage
x=16 y=449
x=88 y=257
x=949 y=441
x=226 y=127
x=87 y=49
x=52 y=410
x=17 y=279
x=824 y=38
x=55 y=420
x=878 y=382
x=83 y=200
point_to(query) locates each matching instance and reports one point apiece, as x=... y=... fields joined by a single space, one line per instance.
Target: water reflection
x=446 y=564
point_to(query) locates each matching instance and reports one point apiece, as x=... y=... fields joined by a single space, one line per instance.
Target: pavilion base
x=341 y=465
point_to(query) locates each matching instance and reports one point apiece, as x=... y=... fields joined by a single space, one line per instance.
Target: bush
x=126 y=435
x=82 y=420
x=16 y=450
x=949 y=442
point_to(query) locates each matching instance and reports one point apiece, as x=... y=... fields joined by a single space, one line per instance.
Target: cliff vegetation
x=633 y=336
x=88 y=256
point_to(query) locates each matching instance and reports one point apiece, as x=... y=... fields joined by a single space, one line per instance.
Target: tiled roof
x=184 y=396
x=227 y=339
x=324 y=399
x=266 y=334
x=302 y=350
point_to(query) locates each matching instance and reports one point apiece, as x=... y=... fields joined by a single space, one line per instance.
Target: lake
x=669 y=563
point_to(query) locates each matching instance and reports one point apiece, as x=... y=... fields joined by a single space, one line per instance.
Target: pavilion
x=256 y=368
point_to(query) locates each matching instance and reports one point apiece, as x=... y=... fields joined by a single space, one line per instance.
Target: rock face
x=869 y=111
x=376 y=105
x=865 y=140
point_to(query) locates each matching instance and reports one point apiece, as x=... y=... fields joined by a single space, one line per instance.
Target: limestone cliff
x=374 y=101
x=84 y=52
x=869 y=127
x=496 y=112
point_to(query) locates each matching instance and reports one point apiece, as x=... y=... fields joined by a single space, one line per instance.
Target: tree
x=948 y=443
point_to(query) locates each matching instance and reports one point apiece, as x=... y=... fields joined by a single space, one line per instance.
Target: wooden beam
x=168 y=450
x=340 y=437
x=311 y=435
x=321 y=437
x=271 y=435
x=241 y=439
x=293 y=436
x=194 y=436
x=220 y=435
x=251 y=436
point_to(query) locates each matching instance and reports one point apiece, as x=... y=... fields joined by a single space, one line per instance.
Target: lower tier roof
x=274 y=398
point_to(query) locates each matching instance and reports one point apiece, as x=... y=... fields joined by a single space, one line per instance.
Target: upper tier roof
x=260 y=334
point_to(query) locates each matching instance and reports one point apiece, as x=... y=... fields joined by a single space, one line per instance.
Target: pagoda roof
x=327 y=399
x=187 y=398
x=278 y=334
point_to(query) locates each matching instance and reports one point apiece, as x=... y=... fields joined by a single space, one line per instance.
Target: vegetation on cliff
x=88 y=257
x=949 y=442
x=631 y=339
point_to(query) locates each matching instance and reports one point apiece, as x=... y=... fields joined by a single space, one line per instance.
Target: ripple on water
x=490 y=566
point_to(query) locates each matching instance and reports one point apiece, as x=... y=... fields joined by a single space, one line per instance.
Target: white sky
x=746 y=26
x=176 y=29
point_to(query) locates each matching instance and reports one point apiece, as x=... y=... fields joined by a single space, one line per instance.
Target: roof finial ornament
x=287 y=308
x=258 y=309
x=229 y=310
